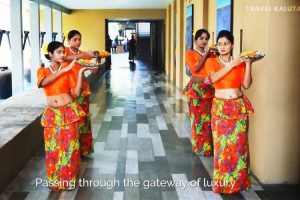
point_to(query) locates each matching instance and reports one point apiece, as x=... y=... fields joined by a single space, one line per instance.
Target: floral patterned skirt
x=200 y=101
x=86 y=90
x=231 y=151
x=86 y=137
x=62 y=148
x=200 y=118
x=198 y=90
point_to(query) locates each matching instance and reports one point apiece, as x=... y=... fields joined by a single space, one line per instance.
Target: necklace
x=201 y=53
x=225 y=64
x=73 y=51
x=52 y=71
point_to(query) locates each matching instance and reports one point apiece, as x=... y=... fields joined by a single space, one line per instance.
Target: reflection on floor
x=141 y=135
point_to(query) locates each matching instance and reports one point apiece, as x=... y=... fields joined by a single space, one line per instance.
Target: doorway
x=149 y=37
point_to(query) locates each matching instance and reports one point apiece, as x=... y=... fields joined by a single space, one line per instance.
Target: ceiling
x=113 y=4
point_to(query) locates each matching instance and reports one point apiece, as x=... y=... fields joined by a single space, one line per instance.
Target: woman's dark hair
x=200 y=32
x=52 y=46
x=72 y=33
x=227 y=34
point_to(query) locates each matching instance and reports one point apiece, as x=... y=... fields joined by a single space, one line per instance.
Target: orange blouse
x=63 y=84
x=192 y=59
x=233 y=79
x=76 y=68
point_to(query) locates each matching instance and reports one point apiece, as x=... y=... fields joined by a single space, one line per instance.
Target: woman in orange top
x=60 y=119
x=230 y=111
x=73 y=52
x=199 y=95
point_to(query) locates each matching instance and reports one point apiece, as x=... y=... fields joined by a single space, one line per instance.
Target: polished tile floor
x=142 y=149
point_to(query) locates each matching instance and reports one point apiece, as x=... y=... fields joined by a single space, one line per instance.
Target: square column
x=48 y=24
x=16 y=46
x=58 y=25
x=35 y=40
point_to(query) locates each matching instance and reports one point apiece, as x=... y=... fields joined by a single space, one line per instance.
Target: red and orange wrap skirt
x=62 y=147
x=231 y=151
x=86 y=137
x=200 y=97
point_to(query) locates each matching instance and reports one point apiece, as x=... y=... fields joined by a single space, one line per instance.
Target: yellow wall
x=258 y=127
x=91 y=23
x=274 y=129
x=42 y=19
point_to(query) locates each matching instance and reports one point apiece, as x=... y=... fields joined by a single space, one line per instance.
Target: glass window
x=5 y=26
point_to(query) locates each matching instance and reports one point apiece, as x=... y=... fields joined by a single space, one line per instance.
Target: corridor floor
x=141 y=135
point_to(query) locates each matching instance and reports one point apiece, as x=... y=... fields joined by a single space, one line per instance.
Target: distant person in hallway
x=116 y=43
x=73 y=52
x=132 y=48
x=125 y=44
x=199 y=95
x=61 y=118
x=230 y=112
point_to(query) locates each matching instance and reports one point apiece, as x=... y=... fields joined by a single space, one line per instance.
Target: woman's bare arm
x=83 y=55
x=221 y=73
x=53 y=76
x=78 y=87
x=248 y=75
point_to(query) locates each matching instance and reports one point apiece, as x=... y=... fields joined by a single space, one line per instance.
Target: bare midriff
x=229 y=93
x=197 y=79
x=60 y=100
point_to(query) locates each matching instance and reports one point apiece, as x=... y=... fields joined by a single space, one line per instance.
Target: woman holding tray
x=73 y=52
x=230 y=111
x=61 y=118
x=199 y=95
